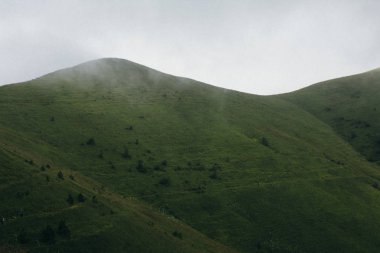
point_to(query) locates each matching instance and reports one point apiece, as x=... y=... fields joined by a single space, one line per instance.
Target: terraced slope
x=258 y=174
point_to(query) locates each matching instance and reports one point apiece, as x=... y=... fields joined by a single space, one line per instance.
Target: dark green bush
x=126 y=154
x=264 y=141
x=177 y=234
x=91 y=142
x=81 y=198
x=165 y=181
x=60 y=175
x=70 y=199
x=47 y=235
x=140 y=167
x=63 y=230
x=23 y=236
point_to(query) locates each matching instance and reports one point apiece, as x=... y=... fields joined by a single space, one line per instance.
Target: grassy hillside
x=351 y=105
x=33 y=197
x=258 y=174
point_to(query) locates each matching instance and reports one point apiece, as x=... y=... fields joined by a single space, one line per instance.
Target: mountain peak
x=114 y=71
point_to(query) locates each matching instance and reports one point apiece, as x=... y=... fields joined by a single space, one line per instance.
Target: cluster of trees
x=143 y=169
x=62 y=177
x=47 y=235
x=80 y=198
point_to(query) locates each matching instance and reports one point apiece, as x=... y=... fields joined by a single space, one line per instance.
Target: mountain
x=351 y=106
x=177 y=165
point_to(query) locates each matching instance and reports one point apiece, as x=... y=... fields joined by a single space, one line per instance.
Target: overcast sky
x=256 y=46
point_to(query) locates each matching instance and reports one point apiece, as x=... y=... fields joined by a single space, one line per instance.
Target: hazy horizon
x=259 y=47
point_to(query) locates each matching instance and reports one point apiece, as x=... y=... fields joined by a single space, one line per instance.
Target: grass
x=350 y=105
x=257 y=174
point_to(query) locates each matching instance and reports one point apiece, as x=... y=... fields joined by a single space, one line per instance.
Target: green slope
x=33 y=198
x=258 y=174
x=350 y=105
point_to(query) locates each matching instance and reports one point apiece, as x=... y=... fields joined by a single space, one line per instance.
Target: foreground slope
x=258 y=174
x=351 y=105
x=33 y=197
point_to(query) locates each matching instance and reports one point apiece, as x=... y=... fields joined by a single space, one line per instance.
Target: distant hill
x=177 y=165
x=350 y=105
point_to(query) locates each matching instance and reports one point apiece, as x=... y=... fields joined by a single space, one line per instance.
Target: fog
x=261 y=47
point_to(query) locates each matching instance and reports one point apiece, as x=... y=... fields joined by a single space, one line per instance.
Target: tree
x=70 y=200
x=60 y=175
x=81 y=198
x=47 y=235
x=63 y=230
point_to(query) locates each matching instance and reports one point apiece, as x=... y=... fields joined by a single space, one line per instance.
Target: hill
x=257 y=174
x=95 y=219
x=350 y=105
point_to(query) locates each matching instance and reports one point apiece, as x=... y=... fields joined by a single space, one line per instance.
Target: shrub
x=126 y=154
x=22 y=236
x=70 y=199
x=63 y=230
x=60 y=175
x=165 y=181
x=140 y=167
x=214 y=175
x=177 y=234
x=264 y=141
x=94 y=200
x=91 y=142
x=81 y=198
x=47 y=235
x=164 y=163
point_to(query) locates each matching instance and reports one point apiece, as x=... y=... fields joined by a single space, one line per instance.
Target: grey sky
x=261 y=47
